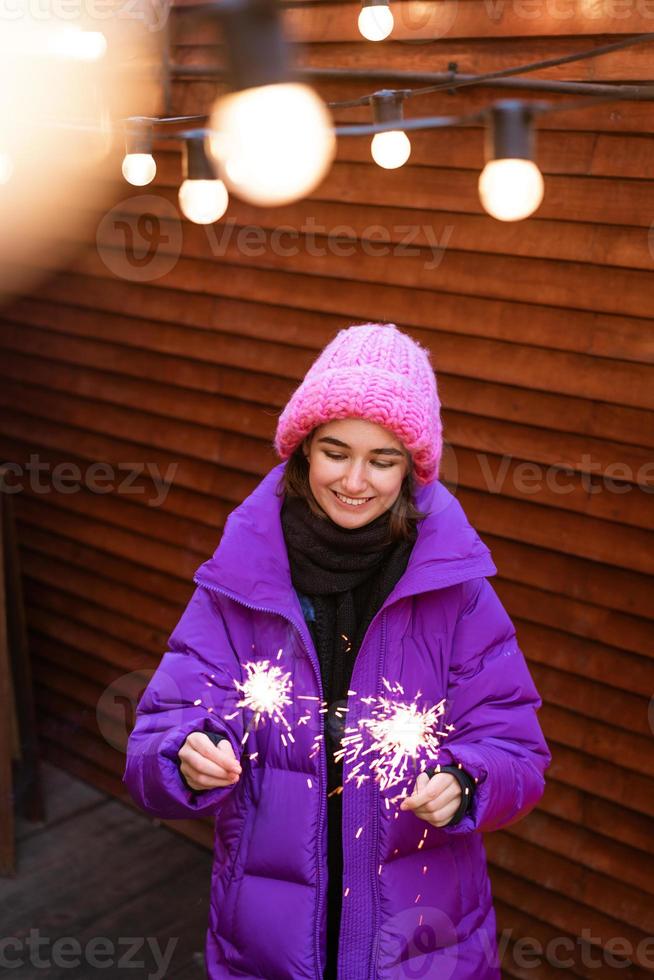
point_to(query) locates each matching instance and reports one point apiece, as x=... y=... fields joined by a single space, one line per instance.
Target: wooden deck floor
x=107 y=884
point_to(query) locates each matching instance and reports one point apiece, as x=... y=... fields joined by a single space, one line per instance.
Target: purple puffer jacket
x=417 y=899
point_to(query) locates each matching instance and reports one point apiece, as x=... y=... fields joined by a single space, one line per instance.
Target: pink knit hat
x=375 y=372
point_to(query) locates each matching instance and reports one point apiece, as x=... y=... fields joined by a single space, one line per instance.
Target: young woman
x=349 y=574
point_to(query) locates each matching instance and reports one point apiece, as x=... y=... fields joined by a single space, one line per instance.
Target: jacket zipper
x=463 y=575
x=323 y=763
x=375 y=849
x=381 y=613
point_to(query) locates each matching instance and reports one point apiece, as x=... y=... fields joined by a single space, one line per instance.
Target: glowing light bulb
x=376 y=22
x=273 y=143
x=390 y=150
x=203 y=201
x=511 y=189
x=6 y=167
x=139 y=168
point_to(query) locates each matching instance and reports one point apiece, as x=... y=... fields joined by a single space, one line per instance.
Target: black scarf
x=347 y=574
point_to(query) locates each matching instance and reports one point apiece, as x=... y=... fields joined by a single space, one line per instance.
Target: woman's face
x=356 y=470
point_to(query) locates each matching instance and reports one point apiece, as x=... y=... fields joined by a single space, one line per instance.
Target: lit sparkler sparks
x=398 y=735
x=266 y=692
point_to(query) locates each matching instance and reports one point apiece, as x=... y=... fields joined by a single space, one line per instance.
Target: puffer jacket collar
x=251 y=560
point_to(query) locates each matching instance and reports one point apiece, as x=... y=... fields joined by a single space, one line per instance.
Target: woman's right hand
x=207 y=766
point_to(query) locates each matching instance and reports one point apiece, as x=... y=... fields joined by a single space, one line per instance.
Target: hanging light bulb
x=375 y=19
x=139 y=167
x=203 y=198
x=274 y=143
x=510 y=185
x=392 y=148
x=272 y=138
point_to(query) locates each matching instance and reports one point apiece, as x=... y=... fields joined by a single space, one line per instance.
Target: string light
x=203 y=198
x=139 y=167
x=273 y=140
x=272 y=137
x=375 y=19
x=510 y=185
x=393 y=148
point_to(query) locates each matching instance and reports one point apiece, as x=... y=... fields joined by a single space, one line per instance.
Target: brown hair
x=404 y=513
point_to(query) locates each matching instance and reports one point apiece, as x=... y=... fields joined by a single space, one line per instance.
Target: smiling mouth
x=351 y=501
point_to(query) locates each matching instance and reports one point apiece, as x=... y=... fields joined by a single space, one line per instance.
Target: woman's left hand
x=435 y=800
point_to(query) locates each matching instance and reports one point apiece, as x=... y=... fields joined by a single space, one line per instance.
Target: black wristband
x=216 y=737
x=467 y=784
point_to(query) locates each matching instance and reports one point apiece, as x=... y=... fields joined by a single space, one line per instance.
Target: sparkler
x=398 y=734
x=266 y=692
x=395 y=737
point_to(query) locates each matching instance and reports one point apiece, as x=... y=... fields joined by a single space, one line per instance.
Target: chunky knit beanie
x=374 y=372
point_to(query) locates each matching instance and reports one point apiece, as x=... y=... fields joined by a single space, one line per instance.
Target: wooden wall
x=542 y=336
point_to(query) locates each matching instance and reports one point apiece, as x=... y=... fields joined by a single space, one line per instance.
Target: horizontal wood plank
x=623 y=337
